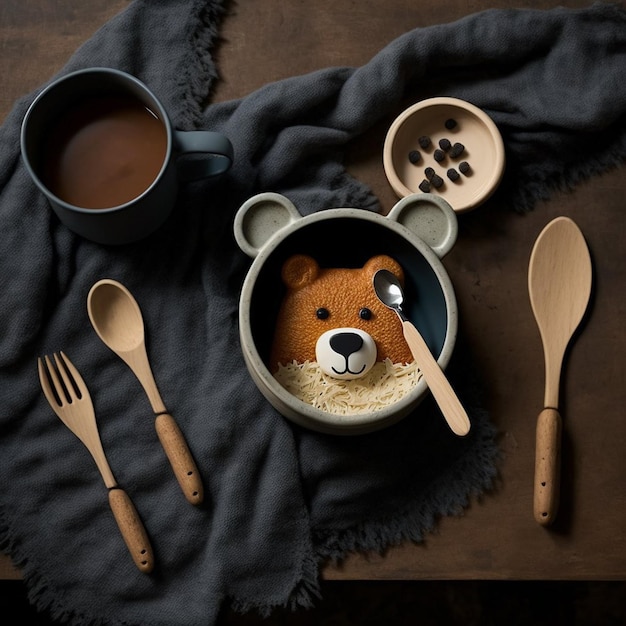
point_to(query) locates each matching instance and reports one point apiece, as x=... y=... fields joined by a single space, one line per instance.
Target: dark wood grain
x=497 y=537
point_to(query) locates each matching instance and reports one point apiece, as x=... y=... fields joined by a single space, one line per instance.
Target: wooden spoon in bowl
x=559 y=285
x=390 y=293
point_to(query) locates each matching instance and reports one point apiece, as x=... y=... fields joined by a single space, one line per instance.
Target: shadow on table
x=423 y=603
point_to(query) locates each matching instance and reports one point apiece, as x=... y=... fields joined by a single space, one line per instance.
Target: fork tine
x=69 y=398
x=65 y=385
x=49 y=379
x=74 y=383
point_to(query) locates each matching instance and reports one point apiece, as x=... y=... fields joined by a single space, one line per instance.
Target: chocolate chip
x=424 y=141
x=429 y=172
x=457 y=150
x=464 y=167
x=445 y=144
x=439 y=155
x=437 y=181
x=452 y=174
x=450 y=124
x=425 y=186
x=414 y=156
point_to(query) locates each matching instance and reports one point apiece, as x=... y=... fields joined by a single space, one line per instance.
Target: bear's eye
x=365 y=314
x=322 y=313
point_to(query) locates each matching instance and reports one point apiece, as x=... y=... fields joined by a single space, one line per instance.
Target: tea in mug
x=104 y=152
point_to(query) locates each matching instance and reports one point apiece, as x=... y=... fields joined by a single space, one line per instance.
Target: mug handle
x=202 y=154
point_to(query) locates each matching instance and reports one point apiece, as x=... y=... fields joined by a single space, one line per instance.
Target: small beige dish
x=447 y=147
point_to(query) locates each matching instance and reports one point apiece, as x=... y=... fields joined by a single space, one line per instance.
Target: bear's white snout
x=345 y=353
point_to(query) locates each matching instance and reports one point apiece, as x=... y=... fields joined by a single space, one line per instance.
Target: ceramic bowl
x=418 y=232
x=406 y=157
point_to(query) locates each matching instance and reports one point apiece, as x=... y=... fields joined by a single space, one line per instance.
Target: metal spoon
x=116 y=317
x=389 y=292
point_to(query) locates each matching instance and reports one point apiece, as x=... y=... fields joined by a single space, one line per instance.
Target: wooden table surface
x=497 y=537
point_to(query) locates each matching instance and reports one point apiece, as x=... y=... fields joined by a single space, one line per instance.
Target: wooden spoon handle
x=547 y=466
x=437 y=382
x=132 y=529
x=181 y=460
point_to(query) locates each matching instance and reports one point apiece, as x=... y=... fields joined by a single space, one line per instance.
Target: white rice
x=383 y=385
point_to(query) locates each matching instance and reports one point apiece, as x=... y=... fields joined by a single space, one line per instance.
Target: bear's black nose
x=346 y=343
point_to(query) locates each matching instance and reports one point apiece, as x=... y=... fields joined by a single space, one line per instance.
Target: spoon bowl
x=117 y=319
x=107 y=304
x=389 y=291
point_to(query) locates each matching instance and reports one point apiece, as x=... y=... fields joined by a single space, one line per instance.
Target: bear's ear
x=384 y=262
x=299 y=270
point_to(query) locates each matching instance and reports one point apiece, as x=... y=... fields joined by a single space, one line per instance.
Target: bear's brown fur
x=343 y=293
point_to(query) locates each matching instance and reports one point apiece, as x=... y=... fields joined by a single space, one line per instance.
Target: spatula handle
x=180 y=458
x=440 y=387
x=547 y=466
x=132 y=529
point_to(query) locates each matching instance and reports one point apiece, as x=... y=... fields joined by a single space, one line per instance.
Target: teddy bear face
x=334 y=312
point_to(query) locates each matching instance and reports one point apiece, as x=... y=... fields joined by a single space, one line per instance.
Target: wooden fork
x=69 y=398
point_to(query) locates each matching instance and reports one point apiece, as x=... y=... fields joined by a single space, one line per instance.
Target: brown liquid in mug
x=104 y=152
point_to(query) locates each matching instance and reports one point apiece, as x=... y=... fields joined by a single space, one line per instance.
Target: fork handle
x=180 y=458
x=132 y=529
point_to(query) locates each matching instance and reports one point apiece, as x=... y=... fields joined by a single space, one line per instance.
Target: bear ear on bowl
x=384 y=262
x=429 y=217
x=261 y=218
x=299 y=270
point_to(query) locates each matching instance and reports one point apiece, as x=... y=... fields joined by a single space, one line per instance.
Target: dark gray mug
x=96 y=97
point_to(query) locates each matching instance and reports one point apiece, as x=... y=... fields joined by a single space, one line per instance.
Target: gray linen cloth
x=279 y=500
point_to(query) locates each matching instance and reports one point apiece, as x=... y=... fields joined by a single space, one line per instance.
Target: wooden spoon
x=559 y=284
x=116 y=317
